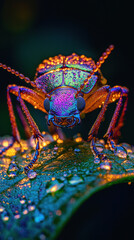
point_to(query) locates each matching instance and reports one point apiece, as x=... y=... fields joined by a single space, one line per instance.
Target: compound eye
x=47 y=104
x=80 y=103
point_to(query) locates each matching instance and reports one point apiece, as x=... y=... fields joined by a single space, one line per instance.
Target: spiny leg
x=116 y=123
x=24 y=122
x=2 y=151
x=110 y=133
x=15 y=132
x=35 y=158
x=94 y=130
x=23 y=92
x=36 y=133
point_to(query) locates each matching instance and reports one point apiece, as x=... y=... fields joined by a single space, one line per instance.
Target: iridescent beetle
x=63 y=88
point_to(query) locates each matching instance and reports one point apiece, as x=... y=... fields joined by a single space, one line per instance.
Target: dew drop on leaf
x=127 y=147
x=54 y=186
x=120 y=152
x=75 y=179
x=12 y=170
x=99 y=146
x=5 y=216
x=106 y=165
x=1 y=209
x=38 y=216
x=22 y=201
x=31 y=206
x=96 y=160
x=25 y=211
x=31 y=174
x=42 y=237
x=17 y=216
x=76 y=150
x=12 y=174
x=131 y=156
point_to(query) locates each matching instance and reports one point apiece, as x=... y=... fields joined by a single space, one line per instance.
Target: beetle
x=64 y=87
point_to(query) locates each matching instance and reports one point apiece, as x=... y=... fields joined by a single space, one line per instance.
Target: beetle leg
x=94 y=130
x=36 y=133
x=95 y=152
x=116 y=123
x=35 y=158
x=33 y=126
x=6 y=148
x=15 y=132
x=115 y=93
x=36 y=99
x=25 y=125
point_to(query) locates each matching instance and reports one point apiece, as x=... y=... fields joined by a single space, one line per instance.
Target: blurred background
x=32 y=30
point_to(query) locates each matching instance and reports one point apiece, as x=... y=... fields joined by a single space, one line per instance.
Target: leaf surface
x=39 y=204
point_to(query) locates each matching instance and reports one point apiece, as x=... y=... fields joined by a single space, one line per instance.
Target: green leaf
x=39 y=204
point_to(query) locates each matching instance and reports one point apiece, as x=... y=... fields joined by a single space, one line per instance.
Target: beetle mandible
x=65 y=86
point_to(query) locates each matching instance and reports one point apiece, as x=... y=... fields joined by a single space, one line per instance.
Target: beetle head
x=63 y=107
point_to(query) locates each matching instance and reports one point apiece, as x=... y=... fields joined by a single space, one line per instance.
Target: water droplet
x=99 y=146
x=38 y=216
x=62 y=179
x=54 y=186
x=54 y=152
x=1 y=209
x=31 y=174
x=120 y=152
x=77 y=150
x=65 y=174
x=87 y=172
x=127 y=147
x=58 y=212
x=102 y=141
x=131 y=155
x=22 y=201
x=73 y=180
x=17 y=216
x=77 y=138
x=12 y=166
x=12 y=174
x=106 y=165
x=55 y=148
x=5 y=216
x=96 y=160
x=42 y=237
x=31 y=207
x=25 y=211
x=12 y=170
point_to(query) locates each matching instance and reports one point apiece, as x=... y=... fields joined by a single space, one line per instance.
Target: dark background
x=33 y=30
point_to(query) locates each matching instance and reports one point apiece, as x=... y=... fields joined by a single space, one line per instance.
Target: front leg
x=22 y=92
x=36 y=132
x=15 y=132
x=116 y=123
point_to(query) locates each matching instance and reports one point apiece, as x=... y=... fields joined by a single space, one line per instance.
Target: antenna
x=101 y=60
x=16 y=73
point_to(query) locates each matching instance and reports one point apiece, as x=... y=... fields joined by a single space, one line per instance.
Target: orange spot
x=54 y=188
x=5 y=143
x=59 y=140
x=58 y=212
x=78 y=139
